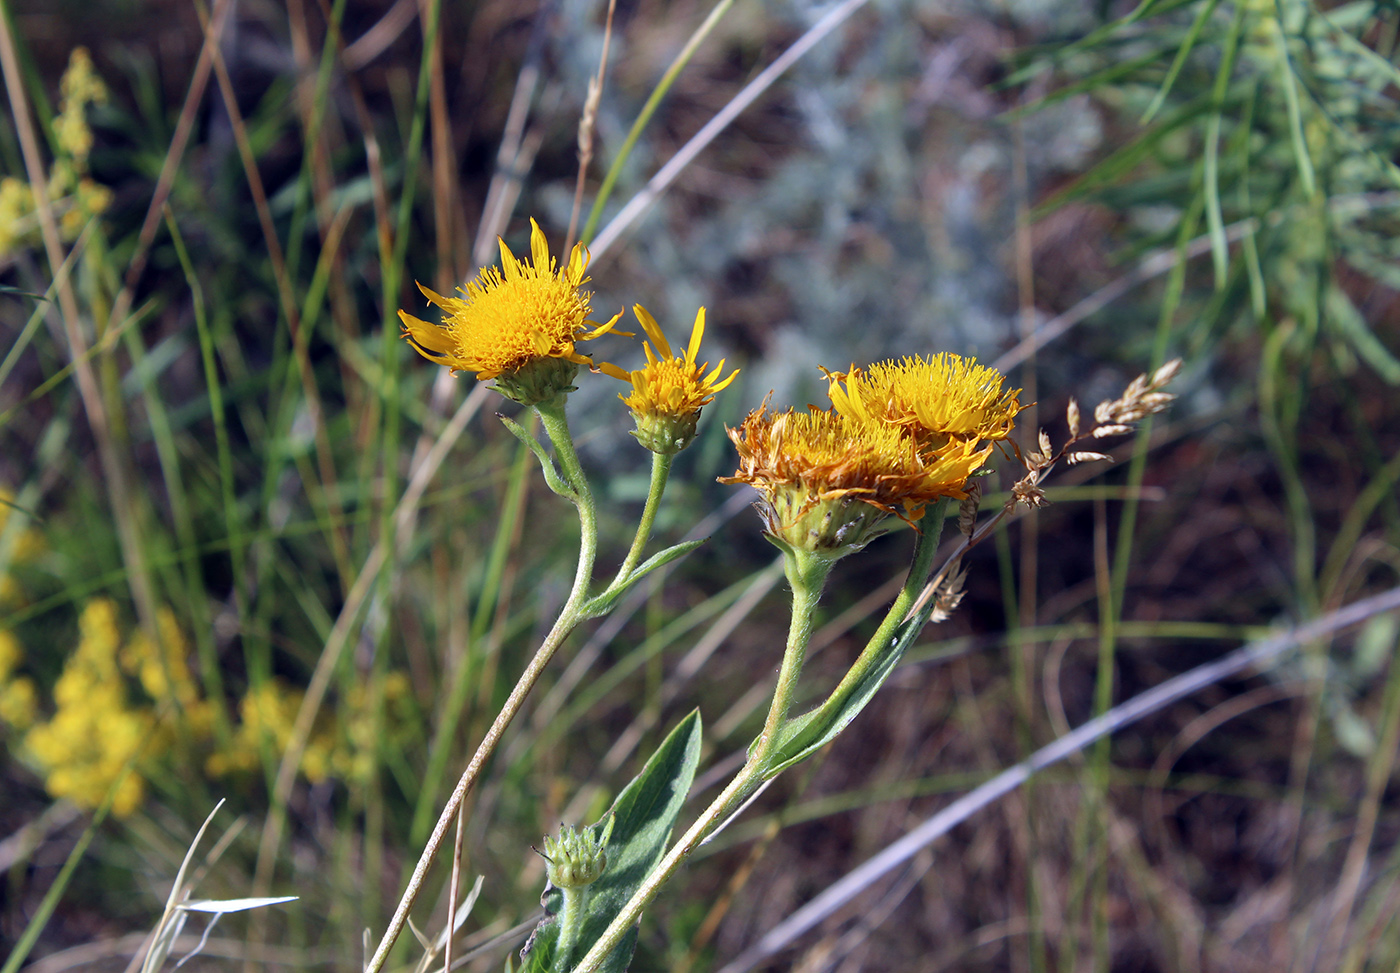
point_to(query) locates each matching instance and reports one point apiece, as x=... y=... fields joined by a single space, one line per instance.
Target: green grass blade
x=1178 y=62
x=1215 y=220
x=595 y=213
x=1289 y=82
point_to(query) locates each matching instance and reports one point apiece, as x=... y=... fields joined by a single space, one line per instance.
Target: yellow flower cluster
x=123 y=704
x=899 y=435
x=95 y=734
x=76 y=198
x=267 y=716
x=519 y=325
x=341 y=747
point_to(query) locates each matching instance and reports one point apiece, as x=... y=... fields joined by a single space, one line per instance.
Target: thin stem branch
x=660 y=472
x=807 y=574
x=668 y=173
x=644 y=116
x=556 y=425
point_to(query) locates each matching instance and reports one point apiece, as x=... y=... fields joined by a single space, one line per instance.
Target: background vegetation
x=208 y=424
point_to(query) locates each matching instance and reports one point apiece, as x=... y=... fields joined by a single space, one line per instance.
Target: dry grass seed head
x=948 y=595
x=967 y=509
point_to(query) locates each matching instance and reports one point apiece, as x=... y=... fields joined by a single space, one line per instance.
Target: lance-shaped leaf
x=603 y=603
x=806 y=734
x=644 y=813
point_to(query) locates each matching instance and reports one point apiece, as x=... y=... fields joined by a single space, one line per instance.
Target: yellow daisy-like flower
x=828 y=479
x=941 y=398
x=669 y=392
x=508 y=319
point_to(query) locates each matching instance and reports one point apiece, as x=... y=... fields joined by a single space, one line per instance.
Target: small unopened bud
x=666 y=433
x=577 y=858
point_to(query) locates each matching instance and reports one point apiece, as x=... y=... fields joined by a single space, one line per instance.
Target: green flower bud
x=577 y=858
x=664 y=433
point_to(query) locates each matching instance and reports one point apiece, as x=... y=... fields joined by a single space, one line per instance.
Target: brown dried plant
x=1116 y=417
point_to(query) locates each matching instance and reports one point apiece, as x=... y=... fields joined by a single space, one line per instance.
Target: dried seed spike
x=1027 y=491
x=1044 y=440
x=1102 y=411
x=1166 y=373
x=1084 y=456
x=967 y=510
x=1116 y=429
x=1072 y=418
x=948 y=595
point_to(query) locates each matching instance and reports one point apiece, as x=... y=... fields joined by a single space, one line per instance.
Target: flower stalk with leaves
x=520 y=326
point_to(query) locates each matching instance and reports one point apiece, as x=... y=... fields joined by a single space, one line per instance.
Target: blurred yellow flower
x=512 y=316
x=828 y=479
x=669 y=392
x=18 y=699
x=935 y=399
x=268 y=716
x=95 y=734
x=79 y=88
x=76 y=198
x=163 y=674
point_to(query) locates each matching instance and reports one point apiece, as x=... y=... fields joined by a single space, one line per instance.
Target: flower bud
x=577 y=858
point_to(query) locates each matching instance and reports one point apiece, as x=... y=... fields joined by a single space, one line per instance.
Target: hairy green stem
x=806 y=573
x=570 y=923
x=552 y=416
x=924 y=550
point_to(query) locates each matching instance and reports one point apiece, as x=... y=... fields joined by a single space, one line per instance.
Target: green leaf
x=1289 y=80
x=20 y=292
x=1375 y=645
x=645 y=813
x=603 y=603
x=1102 y=78
x=551 y=475
x=1179 y=61
x=1119 y=163
x=808 y=733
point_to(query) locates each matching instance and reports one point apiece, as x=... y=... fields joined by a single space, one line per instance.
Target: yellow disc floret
x=513 y=316
x=936 y=399
x=669 y=392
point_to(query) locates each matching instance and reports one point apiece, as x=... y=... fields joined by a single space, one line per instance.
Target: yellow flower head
x=828 y=479
x=942 y=398
x=511 y=317
x=669 y=392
